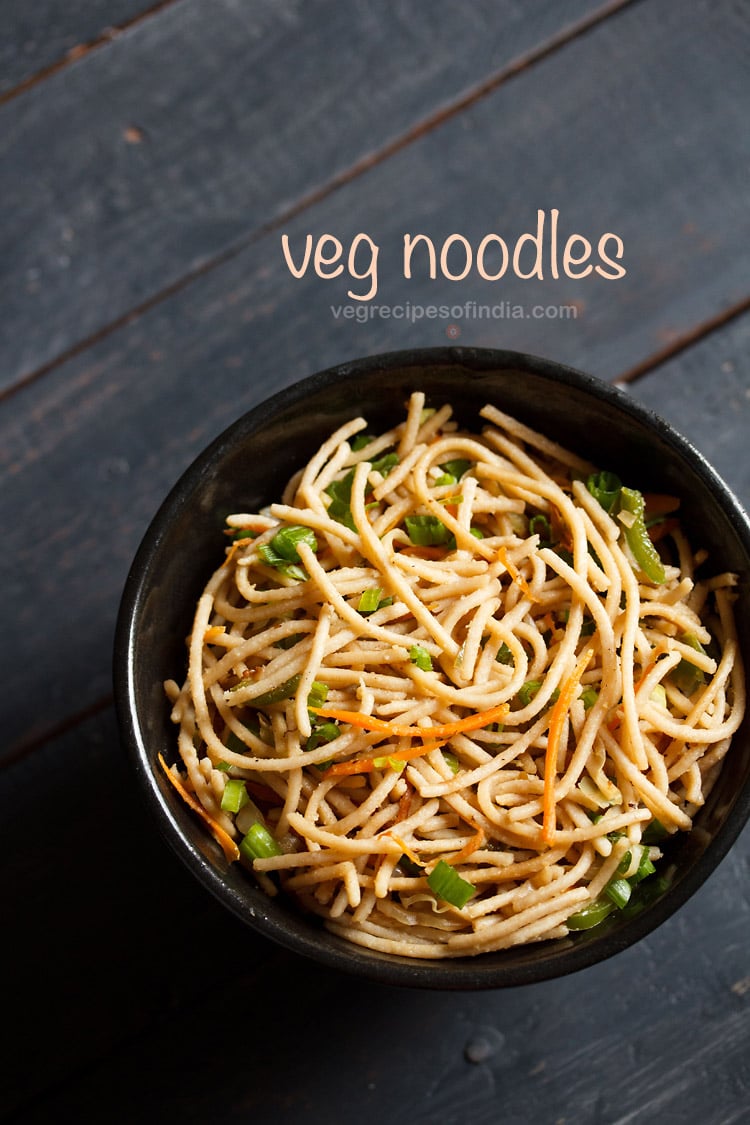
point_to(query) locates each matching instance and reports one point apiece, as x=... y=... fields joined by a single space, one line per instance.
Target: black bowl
x=247 y=467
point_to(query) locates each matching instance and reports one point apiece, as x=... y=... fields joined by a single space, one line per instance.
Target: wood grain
x=151 y=998
x=117 y=183
x=90 y=450
x=46 y=34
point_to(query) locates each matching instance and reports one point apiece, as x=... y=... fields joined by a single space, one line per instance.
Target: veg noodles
x=449 y=695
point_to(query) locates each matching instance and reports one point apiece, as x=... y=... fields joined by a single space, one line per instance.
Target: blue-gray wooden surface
x=151 y=155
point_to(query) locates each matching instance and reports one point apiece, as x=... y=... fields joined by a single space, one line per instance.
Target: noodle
x=441 y=694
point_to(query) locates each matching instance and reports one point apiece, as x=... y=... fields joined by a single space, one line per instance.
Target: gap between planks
x=684 y=341
x=82 y=49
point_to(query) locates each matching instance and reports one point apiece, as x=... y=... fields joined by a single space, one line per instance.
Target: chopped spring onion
x=277 y=694
x=451 y=761
x=605 y=487
x=421 y=657
x=370 y=600
x=258 y=843
x=322 y=733
x=456 y=468
x=272 y=558
x=318 y=694
x=285 y=541
x=686 y=676
x=528 y=690
x=245 y=533
x=360 y=441
x=504 y=655
x=637 y=537
x=234 y=796
x=654 y=833
x=618 y=890
x=445 y=882
x=427 y=531
x=589 y=697
x=540 y=525
x=590 y=915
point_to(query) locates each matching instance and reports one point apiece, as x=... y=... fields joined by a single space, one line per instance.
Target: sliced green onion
x=285 y=541
x=655 y=832
x=224 y=767
x=445 y=882
x=637 y=537
x=409 y=867
x=370 y=600
x=528 y=690
x=605 y=487
x=384 y=464
x=322 y=733
x=451 y=761
x=476 y=532
x=456 y=468
x=504 y=655
x=234 y=796
x=290 y=641
x=645 y=868
x=359 y=441
x=258 y=843
x=540 y=525
x=589 y=697
x=444 y=478
x=421 y=657
x=590 y=915
x=427 y=531
x=245 y=533
x=618 y=891
x=318 y=694
x=272 y=558
x=686 y=676
x=277 y=694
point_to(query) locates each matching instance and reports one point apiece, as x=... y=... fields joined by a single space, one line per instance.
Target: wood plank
x=43 y=34
x=99 y=951
x=90 y=450
x=116 y=183
x=147 y=994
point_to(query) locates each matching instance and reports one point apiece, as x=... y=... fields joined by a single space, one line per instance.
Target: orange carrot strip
x=404 y=848
x=515 y=574
x=212 y=633
x=445 y=730
x=367 y=765
x=556 y=722
x=469 y=847
x=231 y=851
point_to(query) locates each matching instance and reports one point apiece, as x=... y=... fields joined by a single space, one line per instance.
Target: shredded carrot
x=231 y=851
x=394 y=730
x=515 y=574
x=661 y=530
x=213 y=633
x=556 y=723
x=659 y=504
x=367 y=765
x=469 y=847
x=233 y=549
x=404 y=848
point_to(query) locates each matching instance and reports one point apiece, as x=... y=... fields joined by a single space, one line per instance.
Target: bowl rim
x=469 y=973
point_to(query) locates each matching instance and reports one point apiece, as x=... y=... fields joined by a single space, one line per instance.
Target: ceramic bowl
x=247 y=467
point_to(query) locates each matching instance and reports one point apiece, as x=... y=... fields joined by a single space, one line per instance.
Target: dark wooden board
x=131 y=994
x=45 y=33
x=116 y=183
x=91 y=448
